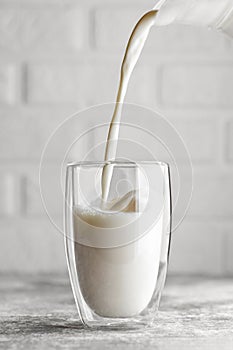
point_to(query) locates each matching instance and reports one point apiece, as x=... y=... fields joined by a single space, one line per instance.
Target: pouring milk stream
x=106 y=290
x=216 y=14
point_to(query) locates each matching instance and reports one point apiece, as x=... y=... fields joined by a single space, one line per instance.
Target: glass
x=117 y=254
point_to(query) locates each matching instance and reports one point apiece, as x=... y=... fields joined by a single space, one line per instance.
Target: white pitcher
x=215 y=14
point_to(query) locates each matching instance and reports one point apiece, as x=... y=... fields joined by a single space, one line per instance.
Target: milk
x=120 y=281
x=132 y=53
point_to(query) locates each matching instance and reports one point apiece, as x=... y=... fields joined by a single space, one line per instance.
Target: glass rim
x=115 y=162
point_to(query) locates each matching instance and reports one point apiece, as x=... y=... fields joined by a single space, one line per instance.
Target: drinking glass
x=117 y=250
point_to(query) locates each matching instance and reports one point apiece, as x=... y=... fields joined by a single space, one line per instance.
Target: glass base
x=124 y=324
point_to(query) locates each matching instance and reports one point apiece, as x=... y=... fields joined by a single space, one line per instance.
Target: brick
x=44 y=28
x=212 y=195
x=31 y=246
x=7 y=84
x=9 y=29
x=87 y=84
x=192 y=85
x=70 y=83
x=20 y=190
x=228 y=250
x=200 y=138
x=229 y=141
x=197 y=249
x=39 y=127
x=13 y=139
x=10 y=190
x=186 y=40
x=50 y=188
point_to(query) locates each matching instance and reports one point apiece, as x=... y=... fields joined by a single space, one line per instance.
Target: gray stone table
x=38 y=312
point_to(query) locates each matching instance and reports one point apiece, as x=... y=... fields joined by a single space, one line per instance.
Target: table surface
x=38 y=312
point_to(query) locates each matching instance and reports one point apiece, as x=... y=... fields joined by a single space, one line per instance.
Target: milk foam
x=116 y=282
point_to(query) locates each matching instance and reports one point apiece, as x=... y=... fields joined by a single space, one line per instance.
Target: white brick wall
x=10 y=189
x=57 y=57
x=70 y=83
x=23 y=133
x=31 y=246
x=212 y=195
x=198 y=134
x=229 y=140
x=197 y=86
x=119 y=22
x=7 y=84
x=164 y=40
x=41 y=29
x=200 y=244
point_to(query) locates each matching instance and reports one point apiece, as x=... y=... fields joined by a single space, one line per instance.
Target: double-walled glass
x=117 y=250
